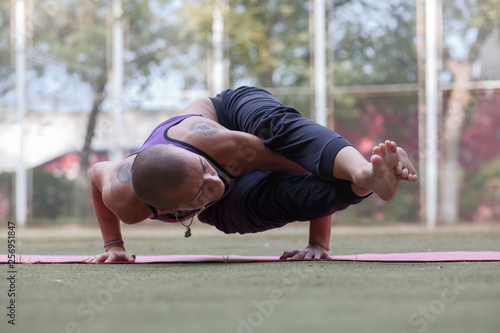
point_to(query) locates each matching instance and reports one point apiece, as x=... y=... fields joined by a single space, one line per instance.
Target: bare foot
x=405 y=170
x=380 y=176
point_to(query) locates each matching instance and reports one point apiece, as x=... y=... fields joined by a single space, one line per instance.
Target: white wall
x=51 y=135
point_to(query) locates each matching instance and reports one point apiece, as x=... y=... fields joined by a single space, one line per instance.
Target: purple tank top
x=160 y=136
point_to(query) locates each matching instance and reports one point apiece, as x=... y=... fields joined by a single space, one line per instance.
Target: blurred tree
x=76 y=35
x=481 y=201
x=52 y=195
x=469 y=23
x=267 y=42
x=374 y=43
x=72 y=35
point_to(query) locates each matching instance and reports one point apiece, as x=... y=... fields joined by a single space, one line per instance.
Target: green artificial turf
x=312 y=296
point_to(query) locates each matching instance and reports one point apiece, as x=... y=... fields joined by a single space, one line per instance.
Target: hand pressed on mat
x=113 y=253
x=310 y=252
x=319 y=240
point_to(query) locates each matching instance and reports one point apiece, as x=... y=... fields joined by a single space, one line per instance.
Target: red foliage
x=481 y=138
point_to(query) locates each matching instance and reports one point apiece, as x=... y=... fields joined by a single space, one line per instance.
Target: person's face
x=201 y=186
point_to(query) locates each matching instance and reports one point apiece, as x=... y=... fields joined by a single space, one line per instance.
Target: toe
x=398 y=170
x=376 y=162
x=382 y=149
x=394 y=147
x=389 y=147
x=405 y=173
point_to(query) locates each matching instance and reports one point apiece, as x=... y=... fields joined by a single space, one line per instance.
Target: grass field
x=256 y=297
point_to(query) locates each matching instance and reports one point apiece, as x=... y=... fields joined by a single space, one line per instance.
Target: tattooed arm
x=112 y=200
x=236 y=151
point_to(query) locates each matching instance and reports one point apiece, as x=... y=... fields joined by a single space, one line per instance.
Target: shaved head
x=157 y=172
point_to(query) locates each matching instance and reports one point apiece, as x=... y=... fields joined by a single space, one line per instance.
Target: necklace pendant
x=187 y=234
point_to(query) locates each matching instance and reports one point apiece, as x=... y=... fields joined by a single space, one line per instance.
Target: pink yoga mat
x=373 y=257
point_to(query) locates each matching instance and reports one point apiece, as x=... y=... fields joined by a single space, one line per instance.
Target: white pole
x=21 y=176
x=117 y=80
x=218 y=47
x=431 y=100
x=320 y=61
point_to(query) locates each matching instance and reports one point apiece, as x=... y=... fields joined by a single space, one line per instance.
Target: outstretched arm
x=319 y=241
x=108 y=221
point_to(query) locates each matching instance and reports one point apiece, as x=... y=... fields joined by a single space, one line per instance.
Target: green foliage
x=267 y=41
x=51 y=195
x=271 y=39
x=77 y=36
x=468 y=22
x=482 y=187
x=71 y=34
x=462 y=15
x=153 y=40
x=375 y=45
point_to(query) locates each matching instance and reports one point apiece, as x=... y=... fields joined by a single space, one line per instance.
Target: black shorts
x=281 y=128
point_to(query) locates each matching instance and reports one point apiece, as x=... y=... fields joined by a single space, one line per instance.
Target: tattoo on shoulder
x=123 y=175
x=203 y=128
